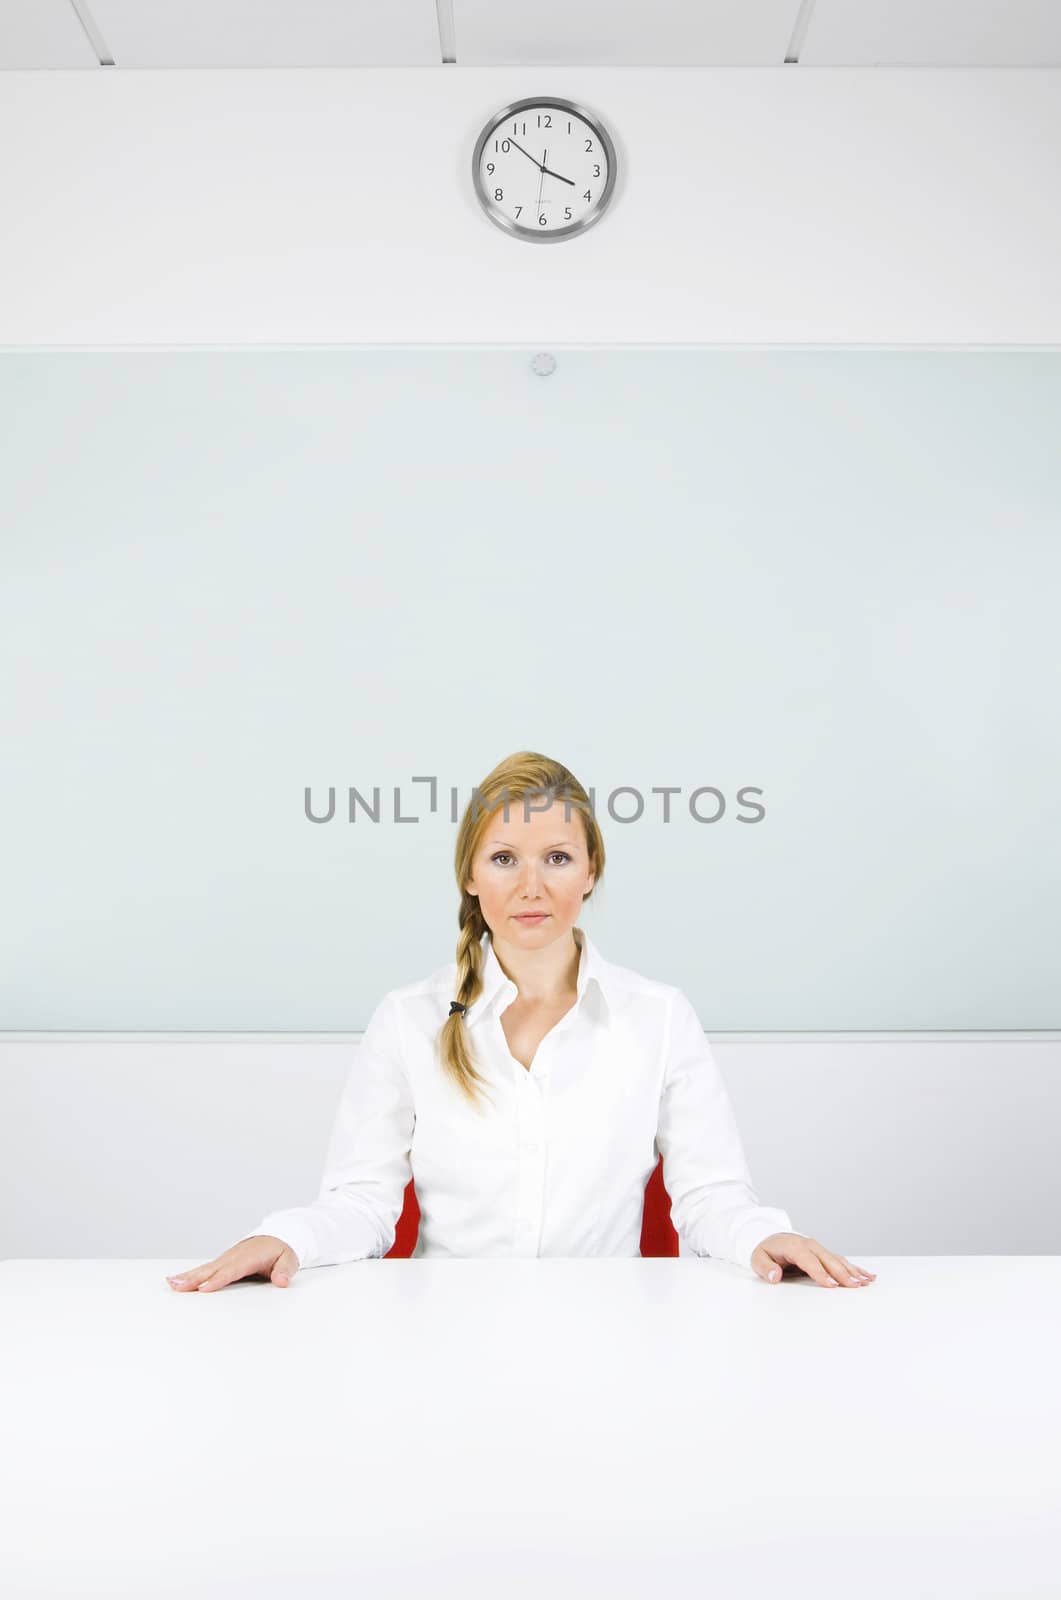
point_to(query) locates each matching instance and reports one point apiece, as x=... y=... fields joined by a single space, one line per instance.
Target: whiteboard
x=825 y=579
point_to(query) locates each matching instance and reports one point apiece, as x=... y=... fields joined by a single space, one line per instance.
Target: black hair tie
x=455 y=1005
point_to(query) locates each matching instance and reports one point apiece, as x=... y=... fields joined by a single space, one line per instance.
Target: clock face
x=544 y=169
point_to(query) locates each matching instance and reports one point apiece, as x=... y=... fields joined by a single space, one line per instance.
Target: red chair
x=658 y=1237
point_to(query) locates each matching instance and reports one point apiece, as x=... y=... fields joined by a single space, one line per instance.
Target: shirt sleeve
x=713 y=1205
x=367 y=1167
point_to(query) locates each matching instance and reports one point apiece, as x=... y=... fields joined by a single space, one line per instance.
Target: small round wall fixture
x=544 y=169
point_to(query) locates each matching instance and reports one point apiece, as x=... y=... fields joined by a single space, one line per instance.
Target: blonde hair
x=526 y=773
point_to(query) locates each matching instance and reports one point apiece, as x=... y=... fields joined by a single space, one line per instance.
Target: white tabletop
x=530 y=1428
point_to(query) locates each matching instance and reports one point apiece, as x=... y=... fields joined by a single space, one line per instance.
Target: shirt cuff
x=295 y=1233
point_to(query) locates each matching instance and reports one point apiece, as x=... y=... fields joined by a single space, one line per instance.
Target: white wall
x=142 y=1145
x=754 y=206
x=829 y=592
x=320 y=206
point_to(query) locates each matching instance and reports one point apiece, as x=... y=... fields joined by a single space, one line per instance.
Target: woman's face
x=534 y=861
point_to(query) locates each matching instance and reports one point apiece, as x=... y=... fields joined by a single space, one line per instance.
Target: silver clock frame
x=516 y=229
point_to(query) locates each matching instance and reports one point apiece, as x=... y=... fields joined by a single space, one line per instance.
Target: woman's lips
x=537 y=916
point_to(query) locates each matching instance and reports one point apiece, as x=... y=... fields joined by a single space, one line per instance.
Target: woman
x=530 y=1086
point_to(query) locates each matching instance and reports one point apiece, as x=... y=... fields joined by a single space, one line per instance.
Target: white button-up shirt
x=557 y=1165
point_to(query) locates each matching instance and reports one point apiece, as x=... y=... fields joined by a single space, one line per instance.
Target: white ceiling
x=87 y=34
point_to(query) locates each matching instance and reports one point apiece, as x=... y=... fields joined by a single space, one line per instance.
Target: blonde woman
x=530 y=1086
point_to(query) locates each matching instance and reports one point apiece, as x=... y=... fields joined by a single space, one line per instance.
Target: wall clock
x=544 y=169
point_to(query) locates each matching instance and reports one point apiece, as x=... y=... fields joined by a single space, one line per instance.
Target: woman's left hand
x=781 y=1250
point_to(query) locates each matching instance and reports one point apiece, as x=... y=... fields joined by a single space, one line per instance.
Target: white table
x=530 y=1428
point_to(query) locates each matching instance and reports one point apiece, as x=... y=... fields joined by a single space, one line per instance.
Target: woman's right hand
x=260 y=1255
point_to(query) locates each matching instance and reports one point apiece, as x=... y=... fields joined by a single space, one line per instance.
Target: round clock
x=544 y=169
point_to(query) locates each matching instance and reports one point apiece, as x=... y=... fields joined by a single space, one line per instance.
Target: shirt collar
x=592 y=968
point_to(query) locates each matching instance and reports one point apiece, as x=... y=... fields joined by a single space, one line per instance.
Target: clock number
x=516 y=127
x=587 y=195
x=518 y=210
x=498 y=194
x=490 y=167
x=596 y=172
x=541 y=220
x=548 y=120
x=503 y=147
x=567 y=213
x=589 y=144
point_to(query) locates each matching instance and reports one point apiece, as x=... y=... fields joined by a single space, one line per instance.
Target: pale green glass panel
x=829 y=576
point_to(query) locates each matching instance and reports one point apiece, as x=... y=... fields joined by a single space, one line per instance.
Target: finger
x=854 y=1274
x=857 y=1271
x=218 y=1279
x=841 y=1269
x=810 y=1259
x=192 y=1278
x=764 y=1264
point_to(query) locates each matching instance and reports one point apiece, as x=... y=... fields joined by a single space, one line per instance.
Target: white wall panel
x=607 y=33
x=332 y=207
x=43 y=34
x=948 y=33
x=269 y=33
x=827 y=578
x=176 y=1146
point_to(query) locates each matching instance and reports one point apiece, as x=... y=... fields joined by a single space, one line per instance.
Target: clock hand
x=523 y=152
x=541 y=163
